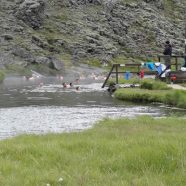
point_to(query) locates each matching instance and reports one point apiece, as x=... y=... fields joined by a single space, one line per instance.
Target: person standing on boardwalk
x=167 y=52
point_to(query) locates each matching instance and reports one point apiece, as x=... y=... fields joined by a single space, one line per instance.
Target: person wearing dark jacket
x=167 y=52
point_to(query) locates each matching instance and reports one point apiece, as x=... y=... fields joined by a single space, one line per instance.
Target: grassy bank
x=170 y=97
x=149 y=84
x=140 y=95
x=142 y=151
x=152 y=91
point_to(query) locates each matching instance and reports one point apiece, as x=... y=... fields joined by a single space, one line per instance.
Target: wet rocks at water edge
x=112 y=88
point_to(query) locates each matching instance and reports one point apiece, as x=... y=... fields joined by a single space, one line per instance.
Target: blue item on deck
x=150 y=66
x=127 y=75
x=159 y=69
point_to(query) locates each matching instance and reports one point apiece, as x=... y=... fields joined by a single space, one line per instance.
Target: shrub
x=151 y=84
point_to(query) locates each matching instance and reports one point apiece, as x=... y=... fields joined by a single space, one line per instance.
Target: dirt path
x=176 y=86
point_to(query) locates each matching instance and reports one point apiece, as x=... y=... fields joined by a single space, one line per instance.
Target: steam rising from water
x=32 y=107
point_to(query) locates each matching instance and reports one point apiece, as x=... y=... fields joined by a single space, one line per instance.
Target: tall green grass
x=177 y=98
x=140 y=95
x=124 y=152
x=171 y=97
x=154 y=85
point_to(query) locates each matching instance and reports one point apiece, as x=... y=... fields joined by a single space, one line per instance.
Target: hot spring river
x=40 y=106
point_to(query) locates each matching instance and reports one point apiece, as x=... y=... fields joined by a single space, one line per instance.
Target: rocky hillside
x=59 y=33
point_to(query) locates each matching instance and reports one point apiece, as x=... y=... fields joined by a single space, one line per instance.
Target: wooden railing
x=175 y=57
x=116 y=68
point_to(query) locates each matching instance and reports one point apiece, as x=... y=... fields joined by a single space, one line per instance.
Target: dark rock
x=31 y=12
x=56 y=64
x=39 y=42
x=44 y=45
x=85 y=2
x=7 y=37
x=42 y=60
x=23 y=53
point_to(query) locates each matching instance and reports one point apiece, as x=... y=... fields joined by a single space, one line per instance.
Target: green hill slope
x=71 y=31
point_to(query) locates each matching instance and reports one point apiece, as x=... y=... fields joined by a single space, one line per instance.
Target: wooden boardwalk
x=117 y=69
x=176 y=86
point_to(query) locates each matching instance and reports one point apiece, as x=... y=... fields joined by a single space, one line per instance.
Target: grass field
x=125 y=152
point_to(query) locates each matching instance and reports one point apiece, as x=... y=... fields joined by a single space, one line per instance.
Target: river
x=42 y=105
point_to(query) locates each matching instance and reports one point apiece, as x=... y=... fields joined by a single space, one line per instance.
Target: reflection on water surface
x=43 y=106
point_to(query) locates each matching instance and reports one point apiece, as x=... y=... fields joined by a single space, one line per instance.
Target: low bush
x=154 y=85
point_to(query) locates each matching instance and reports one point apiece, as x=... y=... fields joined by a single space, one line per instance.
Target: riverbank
x=169 y=97
x=150 y=91
x=142 y=151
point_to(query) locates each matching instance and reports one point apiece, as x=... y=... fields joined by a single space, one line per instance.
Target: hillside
x=59 y=33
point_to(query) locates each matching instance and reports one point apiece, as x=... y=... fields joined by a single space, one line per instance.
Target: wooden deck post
x=108 y=76
x=116 y=73
x=159 y=58
x=176 y=62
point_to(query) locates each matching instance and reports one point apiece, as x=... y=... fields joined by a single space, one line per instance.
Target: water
x=42 y=105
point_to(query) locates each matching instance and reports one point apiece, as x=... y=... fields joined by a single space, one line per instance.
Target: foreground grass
x=142 y=151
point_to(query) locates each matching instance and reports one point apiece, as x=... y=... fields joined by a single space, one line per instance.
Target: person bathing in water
x=70 y=85
x=65 y=85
